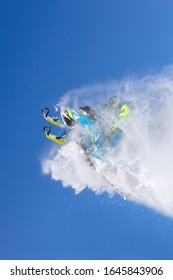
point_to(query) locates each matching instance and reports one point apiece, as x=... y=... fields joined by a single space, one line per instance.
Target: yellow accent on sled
x=69 y=113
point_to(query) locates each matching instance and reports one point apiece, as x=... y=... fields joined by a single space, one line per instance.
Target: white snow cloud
x=144 y=160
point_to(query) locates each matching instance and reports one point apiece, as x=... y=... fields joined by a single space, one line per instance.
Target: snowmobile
x=93 y=140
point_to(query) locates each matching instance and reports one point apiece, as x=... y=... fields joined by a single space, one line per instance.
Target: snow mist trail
x=144 y=159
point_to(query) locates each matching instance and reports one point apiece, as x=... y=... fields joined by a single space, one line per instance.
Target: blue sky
x=47 y=48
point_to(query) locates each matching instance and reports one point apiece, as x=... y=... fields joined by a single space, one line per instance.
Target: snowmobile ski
x=59 y=140
x=55 y=121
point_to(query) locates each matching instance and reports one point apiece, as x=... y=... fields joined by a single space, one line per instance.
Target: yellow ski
x=53 y=137
x=45 y=112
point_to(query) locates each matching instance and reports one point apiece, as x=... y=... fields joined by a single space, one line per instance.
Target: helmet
x=114 y=101
x=67 y=117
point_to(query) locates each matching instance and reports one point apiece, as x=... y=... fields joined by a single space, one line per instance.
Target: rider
x=114 y=112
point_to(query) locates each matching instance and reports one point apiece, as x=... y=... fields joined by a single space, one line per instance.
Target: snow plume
x=140 y=168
